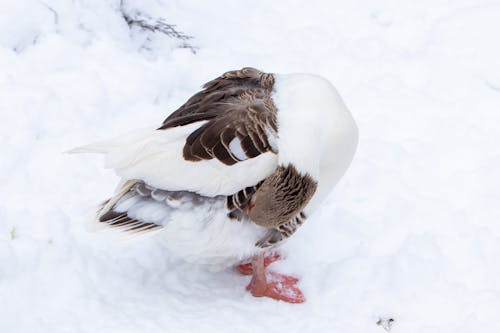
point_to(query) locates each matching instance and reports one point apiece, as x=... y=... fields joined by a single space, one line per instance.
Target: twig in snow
x=159 y=26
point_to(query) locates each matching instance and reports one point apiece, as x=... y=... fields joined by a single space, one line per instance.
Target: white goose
x=234 y=171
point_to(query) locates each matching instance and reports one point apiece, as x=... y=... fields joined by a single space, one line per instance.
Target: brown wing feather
x=237 y=104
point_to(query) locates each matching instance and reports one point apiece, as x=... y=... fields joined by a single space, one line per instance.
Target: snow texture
x=411 y=233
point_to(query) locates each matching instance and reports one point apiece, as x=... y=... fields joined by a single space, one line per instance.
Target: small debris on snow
x=386 y=323
x=13 y=233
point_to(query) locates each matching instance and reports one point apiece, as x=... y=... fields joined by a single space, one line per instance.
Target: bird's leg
x=258 y=284
x=269 y=258
x=274 y=285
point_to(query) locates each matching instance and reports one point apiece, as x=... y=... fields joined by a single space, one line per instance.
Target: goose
x=234 y=172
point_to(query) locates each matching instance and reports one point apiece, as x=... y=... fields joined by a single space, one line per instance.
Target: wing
x=219 y=142
x=138 y=208
x=240 y=118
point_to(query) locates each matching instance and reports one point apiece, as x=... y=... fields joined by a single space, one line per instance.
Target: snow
x=410 y=233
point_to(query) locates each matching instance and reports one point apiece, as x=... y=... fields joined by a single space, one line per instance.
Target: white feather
x=316 y=134
x=155 y=156
x=235 y=147
x=195 y=230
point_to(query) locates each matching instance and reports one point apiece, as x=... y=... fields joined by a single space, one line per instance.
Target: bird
x=233 y=172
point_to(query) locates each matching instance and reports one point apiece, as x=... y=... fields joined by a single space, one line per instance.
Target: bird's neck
x=316 y=132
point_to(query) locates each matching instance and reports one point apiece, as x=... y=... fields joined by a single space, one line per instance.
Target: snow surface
x=412 y=232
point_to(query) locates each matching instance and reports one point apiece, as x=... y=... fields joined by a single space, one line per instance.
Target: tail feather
x=92 y=148
x=109 y=204
x=121 y=142
x=110 y=218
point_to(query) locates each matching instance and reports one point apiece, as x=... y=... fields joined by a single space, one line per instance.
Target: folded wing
x=219 y=142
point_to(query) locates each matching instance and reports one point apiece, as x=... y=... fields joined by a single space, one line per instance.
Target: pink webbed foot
x=271 y=284
x=279 y=287
x=246 y=268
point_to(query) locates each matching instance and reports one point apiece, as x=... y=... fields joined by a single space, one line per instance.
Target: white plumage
x=197 y=231
x=156 y=157
x=316 y=134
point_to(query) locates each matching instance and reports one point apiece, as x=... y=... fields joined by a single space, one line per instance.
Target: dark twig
x=159 y=25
